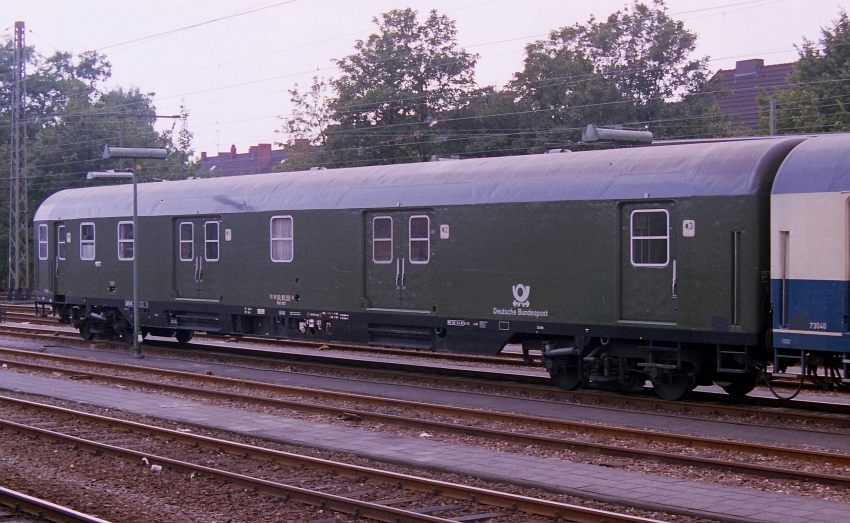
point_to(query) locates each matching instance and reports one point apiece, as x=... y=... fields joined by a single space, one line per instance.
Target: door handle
x=674 y=278
x=397 y=272
x=200 y=269
x=402 y=273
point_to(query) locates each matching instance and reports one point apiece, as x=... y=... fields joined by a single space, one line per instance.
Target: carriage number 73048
x=815 y=326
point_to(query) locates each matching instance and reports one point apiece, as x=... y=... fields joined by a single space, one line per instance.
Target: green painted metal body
x=620 y=266
x=572 y=256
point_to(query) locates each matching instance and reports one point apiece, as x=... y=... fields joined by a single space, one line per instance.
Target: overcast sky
x=233 y=74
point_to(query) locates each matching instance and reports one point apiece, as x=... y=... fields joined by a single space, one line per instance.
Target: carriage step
x=401 y=335
x=732 y=359
x=657 y=366
x=200 y=321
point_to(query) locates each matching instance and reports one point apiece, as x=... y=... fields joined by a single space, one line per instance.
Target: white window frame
x=391 y=239
x=190 y=241
x=632 y=237
x=92 y=242
x=61 y=241
x=411 y=239
x=217 y=241
x=124 y=240
x=42 y=241
x=284 y=239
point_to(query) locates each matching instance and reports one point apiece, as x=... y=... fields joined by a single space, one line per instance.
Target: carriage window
x=650 y=238
x=61 y=241
x=187 y=241
x=42 y=241
x=86 y=241
x=382 y=239
x=281 y=238
x=125 y=241
x=211 y=241
x=420 y=239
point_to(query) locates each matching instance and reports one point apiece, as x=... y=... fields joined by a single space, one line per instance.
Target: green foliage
x=395 y=87
x=408 y=92
x=632 y=69
x=307 y=127
x=489 y=124
x=819 y=98
x=69 y=120
x=179 y=164
x=311 y=116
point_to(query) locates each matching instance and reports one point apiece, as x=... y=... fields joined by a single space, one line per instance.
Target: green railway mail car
x=621 y=266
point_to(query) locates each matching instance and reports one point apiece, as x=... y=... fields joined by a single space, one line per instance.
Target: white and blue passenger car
x=810 y=254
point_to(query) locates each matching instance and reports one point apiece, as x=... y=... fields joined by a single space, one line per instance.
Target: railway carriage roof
x=819 y=165
x=674 y=171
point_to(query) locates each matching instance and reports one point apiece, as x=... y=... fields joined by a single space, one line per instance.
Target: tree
x=633 y=68
x=307 y=127
x=179 y=164
x=395 y=87
x=818 y=100
x=312 y=114
x=561 y=89
x=69 y=120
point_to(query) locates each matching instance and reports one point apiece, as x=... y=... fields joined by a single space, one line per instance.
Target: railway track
x=525 y=383
x=510 y=357
x=737 y=457
x=356 y=491
x=42 y=509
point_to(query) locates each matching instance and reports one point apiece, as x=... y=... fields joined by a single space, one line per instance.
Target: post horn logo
x=521 y=293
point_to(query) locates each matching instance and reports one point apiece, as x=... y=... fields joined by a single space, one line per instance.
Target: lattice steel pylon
x=19 y=272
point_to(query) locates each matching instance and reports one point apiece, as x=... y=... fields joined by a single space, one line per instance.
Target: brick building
x=259 y=159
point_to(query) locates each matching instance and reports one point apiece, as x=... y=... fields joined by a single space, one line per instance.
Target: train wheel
x=675 y=387
x=566 y=377
x=739 y=384
x=184 y=336
x=86 y=332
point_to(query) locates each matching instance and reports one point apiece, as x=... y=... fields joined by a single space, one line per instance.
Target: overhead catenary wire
x=740 y=3
x=242 y=84
x=37 y=181
x=532 y=132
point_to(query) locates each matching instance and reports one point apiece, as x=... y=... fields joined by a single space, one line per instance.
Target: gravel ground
x=529 y=393
x=122 y=491
x=685 y=473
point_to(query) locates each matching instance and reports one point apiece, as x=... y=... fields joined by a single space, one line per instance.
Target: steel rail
x=632 y=434
x=310 y=497
x=748 y=408
x=44 y=509
x=837 y=415
x=503 y=358
x=453 y=490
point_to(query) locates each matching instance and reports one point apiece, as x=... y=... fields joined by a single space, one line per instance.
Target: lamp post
x=135 y=153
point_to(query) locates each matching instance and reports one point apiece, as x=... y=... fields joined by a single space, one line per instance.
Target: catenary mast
x=19 y=274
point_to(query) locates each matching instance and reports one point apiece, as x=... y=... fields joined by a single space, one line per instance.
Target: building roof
x=696 y=169
x=742 y=84
x=259 y=159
